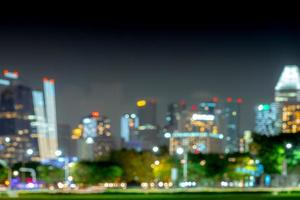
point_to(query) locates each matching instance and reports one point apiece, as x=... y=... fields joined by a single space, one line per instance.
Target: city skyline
x=115 y=62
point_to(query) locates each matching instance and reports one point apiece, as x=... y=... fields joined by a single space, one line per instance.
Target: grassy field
x=175 y=196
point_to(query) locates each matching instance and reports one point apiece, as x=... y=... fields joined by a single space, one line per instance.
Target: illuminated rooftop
x=289 y=78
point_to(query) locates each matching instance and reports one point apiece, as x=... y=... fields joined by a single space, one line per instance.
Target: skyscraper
x=228 y=119
x=17 y=130
x=129 y=131
x=93 y=136
x=268 y=119
x=199 y=131
x=49 y=92
x=148 y=131
x=287 y=88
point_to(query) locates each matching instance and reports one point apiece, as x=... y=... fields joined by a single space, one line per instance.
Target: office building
x=268 y=119
x=93 y=137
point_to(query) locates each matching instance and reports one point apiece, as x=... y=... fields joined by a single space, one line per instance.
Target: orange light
x=6 y=182
x=45 y=79
x=52 y=81
x=141 y=103
x=95 y=114
x=215 y=99
x=5 y=71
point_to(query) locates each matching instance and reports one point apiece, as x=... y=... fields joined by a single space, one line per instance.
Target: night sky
x=104 y=61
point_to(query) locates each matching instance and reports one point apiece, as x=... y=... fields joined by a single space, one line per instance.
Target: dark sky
x=104 y=60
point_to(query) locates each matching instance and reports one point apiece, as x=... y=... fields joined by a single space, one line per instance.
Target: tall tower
x=288 y=86
x=41 y=123
x=49 y=92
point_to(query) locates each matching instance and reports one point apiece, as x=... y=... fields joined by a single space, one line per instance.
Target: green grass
x=157 y=196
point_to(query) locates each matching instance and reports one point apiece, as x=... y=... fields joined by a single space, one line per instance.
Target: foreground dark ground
x=186 y=196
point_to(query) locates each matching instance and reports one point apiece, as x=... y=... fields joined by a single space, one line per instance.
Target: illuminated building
x=199 y=133
x=228 y=120
x=245 y=141
x=148 y=131
x=93 y=136
x=17 y=130
x=288 y=86
x=267 y=120
x=129 y=132
x=49 y=92
x=291 y=118
x=41 y=124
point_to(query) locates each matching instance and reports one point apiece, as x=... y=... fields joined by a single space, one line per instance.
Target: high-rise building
x=228 y=120
x=288 y=86
x=199 y=133
x=93 y=136
x=268 y=119
x=148 y=132
x=291 y=118
x=49 y=92
x=129 y=131
x=17 y=130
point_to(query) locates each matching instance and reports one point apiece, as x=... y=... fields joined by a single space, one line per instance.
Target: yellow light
x=77 y=132
x=6 y=182
x=141 y=103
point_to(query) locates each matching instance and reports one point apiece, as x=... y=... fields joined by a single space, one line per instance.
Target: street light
x=181 y=151
x=288 y=146
x=155 y=149
x=58 y=153
x=29 y=152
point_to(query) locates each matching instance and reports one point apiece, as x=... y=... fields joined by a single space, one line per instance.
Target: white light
x=156 y=162
x=7 y=139
x=58 y=153
x=179 y=150
x=126 y=116
x=167 y=135
x=288 y=145
x=60 y=185
x=289 y=78
x=132 y=115
x=15 y=173
x=260 y=107
x=87 y=120
x=202 y=117
x=221 y=136
x=89 y=140
x=29 y=152
x=155 y=149
x=70 y=178
x=160 y=184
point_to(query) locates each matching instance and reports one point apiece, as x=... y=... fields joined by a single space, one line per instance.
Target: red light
x=182 y=102
x=239 y=100
x=16 y=73
x=215 y=99
x=194 y=107
x=229 y=99
x=95 y=114
x=5 y=71
x=52 y=81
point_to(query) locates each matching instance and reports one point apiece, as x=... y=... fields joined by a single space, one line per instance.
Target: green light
x=266 y=107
